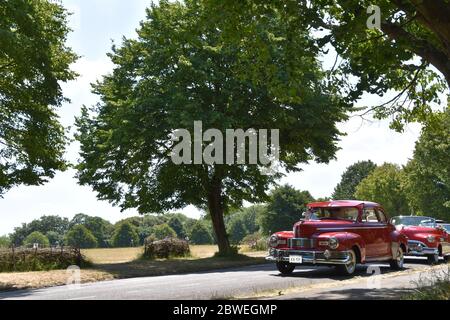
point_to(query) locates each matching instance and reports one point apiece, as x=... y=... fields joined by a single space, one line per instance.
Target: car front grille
x=302 y=243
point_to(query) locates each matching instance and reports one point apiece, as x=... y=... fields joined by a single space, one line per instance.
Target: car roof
x=343 y=203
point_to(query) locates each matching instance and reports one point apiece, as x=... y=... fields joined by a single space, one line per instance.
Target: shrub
x=36 y=237
x=25 y=260
x=437 y=287
x=163 y=231
x=5 y=242
x=200 y=234
x=256 y=242
x=80 y=237
x=164 y=249
x=125 y=236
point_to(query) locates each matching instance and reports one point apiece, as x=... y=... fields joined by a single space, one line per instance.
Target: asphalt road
x=221 y=284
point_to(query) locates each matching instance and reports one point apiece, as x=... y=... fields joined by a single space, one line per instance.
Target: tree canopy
x=36 y=237
x=80 y=237
x=33 y=61
x=180 y=70
x=125 y=236
x=427 y=175
x=384 y=186
x=408 y=54
x=284 y=208
x=351 y=178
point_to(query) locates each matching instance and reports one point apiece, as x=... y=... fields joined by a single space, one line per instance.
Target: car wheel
x=433 y=259
x=397 y=264
x=285 y=268
x=349 y=268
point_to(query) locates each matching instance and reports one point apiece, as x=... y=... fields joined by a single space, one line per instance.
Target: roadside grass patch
x=436 y=287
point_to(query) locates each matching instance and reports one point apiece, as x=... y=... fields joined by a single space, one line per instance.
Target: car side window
x=369 y=215
x=382 y=216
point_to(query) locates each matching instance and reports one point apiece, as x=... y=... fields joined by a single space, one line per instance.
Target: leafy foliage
x=200 y=234
x=384 y=186
x=163 y=231
x=125 y=236
x=285 y=208
x=100 y=228
x=172 y=76
x=80 y=237
x=36 y=237
x=351 y=178
x=34 y=60
x=166 y=248
x=427 y=176
x=5 y=242
x=413 y=37
x=176 y=225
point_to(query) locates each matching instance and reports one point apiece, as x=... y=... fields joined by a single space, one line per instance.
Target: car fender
x=347 y=240
x=398 y=239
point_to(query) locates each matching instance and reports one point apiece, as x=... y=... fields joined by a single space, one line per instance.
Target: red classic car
x=426 y=238
x=339 y=233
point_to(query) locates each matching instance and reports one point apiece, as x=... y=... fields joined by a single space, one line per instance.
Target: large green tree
x=413 y=37
x=351 y=178
x=284 y=208
x=100 y=228
x=36 y=238
x=125 y=236
x=427 y=176
x=384 y=186
x=80 y=237
x=181 y=69
x=34 y=60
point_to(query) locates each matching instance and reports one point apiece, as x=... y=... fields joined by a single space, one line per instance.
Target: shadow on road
x=361 y=294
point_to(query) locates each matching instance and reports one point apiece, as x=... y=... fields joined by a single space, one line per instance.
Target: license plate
x=296 y=259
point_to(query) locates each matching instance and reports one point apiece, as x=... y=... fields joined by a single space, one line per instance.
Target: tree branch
x=420 y=47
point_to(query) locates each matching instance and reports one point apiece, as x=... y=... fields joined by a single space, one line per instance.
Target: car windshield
x=341 y=213
x=446 y=227
x=414 y=221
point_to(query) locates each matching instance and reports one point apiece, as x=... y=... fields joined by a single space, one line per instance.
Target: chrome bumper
x=310 y=257
x=417 y=248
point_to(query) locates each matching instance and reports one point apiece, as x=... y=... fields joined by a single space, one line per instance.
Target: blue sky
x=96 y=23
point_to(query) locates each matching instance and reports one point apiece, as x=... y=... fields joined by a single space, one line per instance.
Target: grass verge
x=436 y=287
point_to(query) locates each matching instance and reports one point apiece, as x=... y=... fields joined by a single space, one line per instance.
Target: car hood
x=305 y=229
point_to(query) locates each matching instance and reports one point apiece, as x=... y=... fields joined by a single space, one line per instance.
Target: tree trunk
x=216 y=210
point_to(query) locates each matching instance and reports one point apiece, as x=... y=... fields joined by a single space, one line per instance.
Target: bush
x=80 y=237
x=437 y=287
x=165 y=249
x=163 y=231
x=26 y=260
x=5 y=242
x=200 y=234
x=36 y=237
x=177 y=225
x=256 y=242
x=125 y=236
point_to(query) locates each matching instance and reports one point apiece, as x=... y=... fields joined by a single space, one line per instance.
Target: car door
x=369 y=232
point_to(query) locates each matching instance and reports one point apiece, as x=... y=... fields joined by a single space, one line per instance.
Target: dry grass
x=125 y=263
x=41 y=279
x=115 y=255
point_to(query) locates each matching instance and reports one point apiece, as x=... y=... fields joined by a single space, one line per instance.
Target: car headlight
x=431 y=239
x=333 y=243
x=273 y=241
